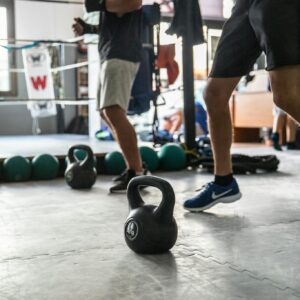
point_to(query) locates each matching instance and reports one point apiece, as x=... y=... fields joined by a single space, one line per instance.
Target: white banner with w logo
x=39 y=81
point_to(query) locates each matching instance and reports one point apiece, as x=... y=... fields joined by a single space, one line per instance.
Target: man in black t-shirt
x=271 y=26
x=120 y=49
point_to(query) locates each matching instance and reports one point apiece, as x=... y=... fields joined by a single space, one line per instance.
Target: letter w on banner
x=39 y=81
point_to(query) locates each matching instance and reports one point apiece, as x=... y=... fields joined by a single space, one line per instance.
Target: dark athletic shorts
x=272 y=26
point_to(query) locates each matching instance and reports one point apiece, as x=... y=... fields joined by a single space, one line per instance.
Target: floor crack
x=275 y=284
x=58 y=254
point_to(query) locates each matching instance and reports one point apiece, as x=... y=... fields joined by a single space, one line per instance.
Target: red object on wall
x=166 y=60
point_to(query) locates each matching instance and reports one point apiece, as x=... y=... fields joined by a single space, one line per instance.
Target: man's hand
x=78 y=27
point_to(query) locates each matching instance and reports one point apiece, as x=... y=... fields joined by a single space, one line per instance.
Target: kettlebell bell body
x=81 y=174
x=150 y=229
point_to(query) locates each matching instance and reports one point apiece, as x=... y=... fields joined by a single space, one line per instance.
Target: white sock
x=139 y=173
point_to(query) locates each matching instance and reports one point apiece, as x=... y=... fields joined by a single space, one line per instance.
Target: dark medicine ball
x=16 y=168
x=45 y=167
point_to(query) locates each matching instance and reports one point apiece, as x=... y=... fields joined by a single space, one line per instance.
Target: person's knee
x=215 y=101
x=105 y=119
x=217 y=94
x=102 y=115
x=113 y=114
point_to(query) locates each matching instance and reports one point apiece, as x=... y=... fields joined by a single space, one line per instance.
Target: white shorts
x=278 y=112
x=116 y=78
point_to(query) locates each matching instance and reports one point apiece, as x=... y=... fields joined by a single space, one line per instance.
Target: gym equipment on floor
x=172 y=157
x=45 y=167
x=1 y=171
x=16 y=168
x=114 y=163
x=150 y=229
x=149 y=157
x=245 y=164
x=80 y=154
x=81 y=174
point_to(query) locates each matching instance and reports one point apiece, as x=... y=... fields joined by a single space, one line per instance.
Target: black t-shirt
x=120 y=37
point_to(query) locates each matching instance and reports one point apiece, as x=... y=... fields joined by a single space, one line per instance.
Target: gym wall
x=41 y=20
x=211 y=9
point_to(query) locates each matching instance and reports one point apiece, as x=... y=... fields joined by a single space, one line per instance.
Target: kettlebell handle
x=164 y=212
x=88 y=161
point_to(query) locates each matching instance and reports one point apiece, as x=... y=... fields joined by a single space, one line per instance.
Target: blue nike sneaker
x=212 y=194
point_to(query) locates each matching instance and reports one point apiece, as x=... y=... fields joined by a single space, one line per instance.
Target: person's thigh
x=285 y=83
x=117 y=77
x=277 y=26
x=238 y=48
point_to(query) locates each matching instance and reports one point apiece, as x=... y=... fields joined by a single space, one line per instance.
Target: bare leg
x=217 y=94
x=167 y=124
x=291 y=130
x=176 y=122
x=224 y=188
x=125 y=135
x=286 y=88
x=278 y=123
x=102 y=115
x=173 y=122
x=278 y=126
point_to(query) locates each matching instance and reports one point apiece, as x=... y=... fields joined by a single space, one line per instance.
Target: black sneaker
x=121 y=185
x=291 y=146
x=123 y=175
x=120 y=177
x=275 y=141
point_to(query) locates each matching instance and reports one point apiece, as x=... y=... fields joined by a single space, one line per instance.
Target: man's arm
x=80 y=27
x=122 y=6
x=92 y=29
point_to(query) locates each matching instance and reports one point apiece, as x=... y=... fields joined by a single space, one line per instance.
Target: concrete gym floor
x=60 y=244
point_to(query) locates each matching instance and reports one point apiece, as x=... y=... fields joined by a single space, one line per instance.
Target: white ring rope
x=11 y=102
x=54 y=70
x=27 y=42
x=62 y=68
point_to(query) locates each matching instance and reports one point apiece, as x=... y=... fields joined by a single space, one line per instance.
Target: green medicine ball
x=45 y=167
x=172 y=157
x=149 y=157
x=81 y=155
x=1 y=170
x=114 y=163
x=16 y=168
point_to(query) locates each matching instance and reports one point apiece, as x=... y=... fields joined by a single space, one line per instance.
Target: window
x=4 y=58
x=7 y=59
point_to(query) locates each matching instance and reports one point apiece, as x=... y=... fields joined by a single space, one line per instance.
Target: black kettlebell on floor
x=150 y=229
x=81 y=174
